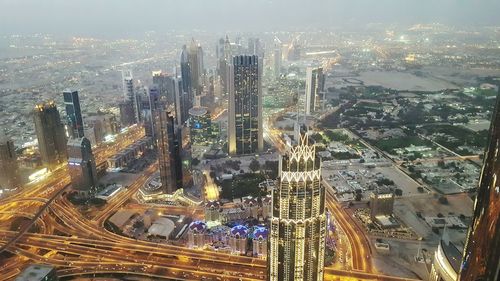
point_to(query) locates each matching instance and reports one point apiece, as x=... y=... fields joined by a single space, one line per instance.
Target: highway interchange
x=81 y=246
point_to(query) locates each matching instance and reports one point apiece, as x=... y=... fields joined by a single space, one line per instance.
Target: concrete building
x=259 y=242
x=245 y=105
x=298 y=224
x=82 y=166
x=38 y=272
x=196 y=235
x=9 y=175
x=238 y=239
x=315 y=89
x=50 y=133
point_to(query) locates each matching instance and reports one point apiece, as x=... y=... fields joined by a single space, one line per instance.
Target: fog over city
x=120 y=17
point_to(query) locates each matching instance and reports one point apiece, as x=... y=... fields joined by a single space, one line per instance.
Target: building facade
x=200 y=125
x=381 y=204
x=131 y=98
x=238 y=239
x=315 y=88
x=168 y=152
x=184 y=101
x=9 y=175
x=50 y=134
x=74 y=113
x=82 y=166
x=481 y=259
x=245 y=105
x=298 y=224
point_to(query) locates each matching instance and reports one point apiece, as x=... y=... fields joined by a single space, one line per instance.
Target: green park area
x=390 y=144
x=243 y=185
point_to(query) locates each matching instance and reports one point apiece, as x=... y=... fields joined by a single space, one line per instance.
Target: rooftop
x=35 y=272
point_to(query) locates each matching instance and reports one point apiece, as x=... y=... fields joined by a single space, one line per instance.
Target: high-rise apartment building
x=82 y=166
x=315 y=88
x=481 y=258
x=74 y=113
x=298 y=222
x=245 y=105
x=50 y=133
x=9 y=173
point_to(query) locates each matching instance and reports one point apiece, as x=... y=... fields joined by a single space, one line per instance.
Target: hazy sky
x=113 y=17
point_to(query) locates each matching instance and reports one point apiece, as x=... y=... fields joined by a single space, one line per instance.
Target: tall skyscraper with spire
x=74 y=113
x=245 y=105
x=50 y=134
x=481 y=258
x=298 y=222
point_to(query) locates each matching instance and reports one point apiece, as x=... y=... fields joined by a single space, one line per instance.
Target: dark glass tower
x=298 y=222
x=481 y=259
x=245 y=105
x=169 y=159
x=50 y=133
x=82 y=166
x=185 y=100
x=9 y=173
x=74 y=113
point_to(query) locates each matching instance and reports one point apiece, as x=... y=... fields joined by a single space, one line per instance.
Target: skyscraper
x=195 y=57
x=74 y=113
x=131 y=98
x=149 y=110
x=315 y=88
x=481 y=259
x=245 y=105
x=298 y=223
x=50 y=133
x=9 y=174
x=168 y=151
x=185 y=99
x=277 y=57
x=82 y=166
x=166 y=84
x=254 y=47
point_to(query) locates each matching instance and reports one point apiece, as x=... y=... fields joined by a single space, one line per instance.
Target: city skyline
x=273 y=140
